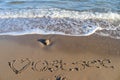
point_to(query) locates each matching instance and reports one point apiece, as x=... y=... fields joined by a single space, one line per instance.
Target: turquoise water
x=79 y=5
x=64 y=17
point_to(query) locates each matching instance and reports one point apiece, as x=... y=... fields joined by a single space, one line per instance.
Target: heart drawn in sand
x=19 y=65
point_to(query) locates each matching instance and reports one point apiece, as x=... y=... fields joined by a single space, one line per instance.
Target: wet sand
x=66 y=58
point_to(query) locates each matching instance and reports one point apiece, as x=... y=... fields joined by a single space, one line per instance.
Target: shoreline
x=83 y=42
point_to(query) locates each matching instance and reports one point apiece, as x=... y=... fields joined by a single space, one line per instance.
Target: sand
x=66 y=58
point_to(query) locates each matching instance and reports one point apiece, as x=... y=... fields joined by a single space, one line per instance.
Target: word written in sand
x=19 y=66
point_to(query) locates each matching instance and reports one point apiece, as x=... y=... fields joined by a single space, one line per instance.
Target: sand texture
x=62 y=58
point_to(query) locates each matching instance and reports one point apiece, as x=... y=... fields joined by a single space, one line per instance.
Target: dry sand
x=66 y=58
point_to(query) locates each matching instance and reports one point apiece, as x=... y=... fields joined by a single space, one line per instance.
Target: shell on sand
x=44 y=42
x=47 y=42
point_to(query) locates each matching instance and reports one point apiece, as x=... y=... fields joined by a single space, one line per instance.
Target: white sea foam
x=48 y=25
x=58 y=21
x=38 y=31
x=56 y=13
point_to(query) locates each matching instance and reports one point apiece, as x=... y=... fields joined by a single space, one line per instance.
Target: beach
x=66 y=58
x=59 y=39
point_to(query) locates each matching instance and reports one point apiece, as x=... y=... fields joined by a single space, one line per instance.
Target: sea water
x=64 y=17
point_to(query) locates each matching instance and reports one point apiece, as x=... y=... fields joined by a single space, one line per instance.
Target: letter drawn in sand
x=25 y=63
x=80 y=65
x=40 y=66
x=94 y=63
x=57 y=65
x=106 y=62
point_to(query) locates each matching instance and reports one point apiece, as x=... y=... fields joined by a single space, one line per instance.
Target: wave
x=55 y=13
x=58 y=21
